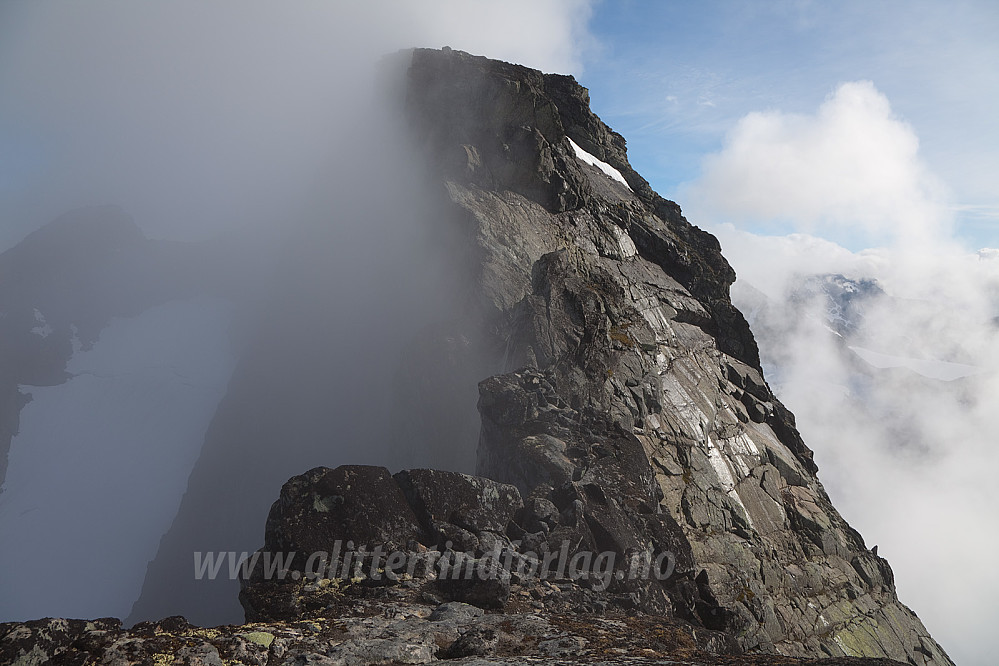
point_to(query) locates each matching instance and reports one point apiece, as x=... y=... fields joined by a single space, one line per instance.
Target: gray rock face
x=639 y=423
x=423 y=533
x=464 y=501
x=350 y=503
x=620 y=309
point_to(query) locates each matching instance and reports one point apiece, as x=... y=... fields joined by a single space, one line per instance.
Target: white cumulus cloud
x=853 y=167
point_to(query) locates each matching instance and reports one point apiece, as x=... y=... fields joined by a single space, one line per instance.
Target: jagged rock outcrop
x=622 y=307
x=380 y=632
x=630 y=423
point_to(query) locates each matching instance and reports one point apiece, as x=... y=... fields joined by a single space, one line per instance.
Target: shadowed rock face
x=629 y=417
x=363 y=504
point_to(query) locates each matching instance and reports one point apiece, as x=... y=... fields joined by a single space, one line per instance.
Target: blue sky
x=675 y=77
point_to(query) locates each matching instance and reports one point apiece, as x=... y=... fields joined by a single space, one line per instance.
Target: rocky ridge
x=619 y=308
x=631 y=419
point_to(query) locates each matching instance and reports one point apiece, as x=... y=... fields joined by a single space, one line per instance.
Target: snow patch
x=43 y=330
x=100 y=462
x=603 y=166
x=929 y=368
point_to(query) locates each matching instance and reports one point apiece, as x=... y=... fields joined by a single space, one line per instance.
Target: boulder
x=351 y=503
x=473 y=503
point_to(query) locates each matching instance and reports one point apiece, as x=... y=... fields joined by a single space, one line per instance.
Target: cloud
x=796 y=254
x=201 y=116
x=265 y=121
x=853 y=167
x=907 y=459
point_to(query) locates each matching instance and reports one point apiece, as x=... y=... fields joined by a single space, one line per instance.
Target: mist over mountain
x=512 y=260
x=896 y=393
x=317 y=253
x=250 y=161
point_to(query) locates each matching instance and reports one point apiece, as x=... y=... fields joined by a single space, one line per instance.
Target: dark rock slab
x=357 y=503
x=473 y=503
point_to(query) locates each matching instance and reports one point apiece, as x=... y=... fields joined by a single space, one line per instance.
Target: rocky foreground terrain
x=641 y=495
x=387 y=633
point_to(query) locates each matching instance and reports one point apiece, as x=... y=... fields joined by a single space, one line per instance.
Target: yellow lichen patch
x=259 y=637
x=857 y=641
x=206 y=632
x=321 y=585
x=620 y=334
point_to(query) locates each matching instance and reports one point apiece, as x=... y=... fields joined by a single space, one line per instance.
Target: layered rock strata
x=643 y=393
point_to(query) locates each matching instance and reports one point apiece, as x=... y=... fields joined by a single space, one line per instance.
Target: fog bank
x=252 y=125
x=878 y=329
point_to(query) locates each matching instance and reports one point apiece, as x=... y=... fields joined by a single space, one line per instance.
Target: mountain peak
x=637 y=484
